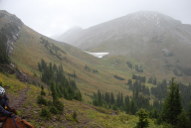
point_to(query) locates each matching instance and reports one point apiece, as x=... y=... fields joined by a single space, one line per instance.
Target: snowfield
x=98 y=54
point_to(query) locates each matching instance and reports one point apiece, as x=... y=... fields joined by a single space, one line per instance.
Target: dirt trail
x=17 y=103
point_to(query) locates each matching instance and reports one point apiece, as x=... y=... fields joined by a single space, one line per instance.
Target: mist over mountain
x=143 y=27
x=148 y=37
x=55 y=84
x=70 y=34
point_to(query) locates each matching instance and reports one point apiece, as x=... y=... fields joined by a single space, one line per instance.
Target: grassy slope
x=28 y=51
x=87 y=115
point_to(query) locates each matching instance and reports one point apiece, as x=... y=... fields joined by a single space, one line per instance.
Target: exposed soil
x=17 y=102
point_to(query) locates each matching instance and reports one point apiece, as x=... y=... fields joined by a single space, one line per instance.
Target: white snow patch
x=98 y=54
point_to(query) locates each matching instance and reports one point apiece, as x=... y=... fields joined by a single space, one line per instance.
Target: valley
x=136 y=71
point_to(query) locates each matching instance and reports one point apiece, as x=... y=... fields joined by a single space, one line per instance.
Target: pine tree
x=119 y=100
x=107 y=98
x=54 y=93
x=143 y=119
x=133 y=107
x=127 y=104
x=100 y=100
x=172 y=106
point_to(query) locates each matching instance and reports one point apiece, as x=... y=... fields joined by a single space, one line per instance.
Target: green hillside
x=39 y=74
x=29 y=50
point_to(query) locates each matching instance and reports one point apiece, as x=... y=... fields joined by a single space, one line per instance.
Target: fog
x=53 y=17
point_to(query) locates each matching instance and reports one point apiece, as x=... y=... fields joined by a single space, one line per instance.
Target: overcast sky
x=53 y=17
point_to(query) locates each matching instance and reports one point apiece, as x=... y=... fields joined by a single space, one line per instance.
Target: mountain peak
x=142 y=26
x=151 y=16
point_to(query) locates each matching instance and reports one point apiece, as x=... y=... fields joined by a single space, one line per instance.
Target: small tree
x=143 y=119
x=45 y=113
x=42 y=93
x=41 y=100
x=74 y=116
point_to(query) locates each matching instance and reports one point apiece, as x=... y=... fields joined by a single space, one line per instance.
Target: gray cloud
x=52 y=17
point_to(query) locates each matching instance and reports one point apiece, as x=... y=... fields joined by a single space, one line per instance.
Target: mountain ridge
x=148 y=38
x=30 y=47
x=133 y=19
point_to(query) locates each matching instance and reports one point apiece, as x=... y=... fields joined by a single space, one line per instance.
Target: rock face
x=10 y=27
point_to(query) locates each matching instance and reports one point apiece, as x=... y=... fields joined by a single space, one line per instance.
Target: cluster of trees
x=160 y=91
x=172 y=114
x=152 y=80
x=185 y=95
x=139 y=78
x=87 y=68
x=138 y=87
x=61 y=86
x=129 y=64
x=170 y=107
x=137 y=68
x=124 y=103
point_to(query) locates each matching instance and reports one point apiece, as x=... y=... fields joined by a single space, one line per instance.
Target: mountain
x=26 y=48
x=145 y=37
x=46 y=92
x=21 y=49
x=70 y=34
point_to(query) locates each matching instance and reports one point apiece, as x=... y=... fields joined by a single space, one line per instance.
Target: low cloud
x=52 y=17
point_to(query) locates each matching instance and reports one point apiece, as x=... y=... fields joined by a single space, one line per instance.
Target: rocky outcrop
x=10 y=27
x=23 y=77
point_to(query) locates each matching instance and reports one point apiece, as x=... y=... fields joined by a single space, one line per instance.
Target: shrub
x=45 y=113
x=54 y=110
x=74 y=116
x=41 y=100
x=59 y=105
x=42 y=93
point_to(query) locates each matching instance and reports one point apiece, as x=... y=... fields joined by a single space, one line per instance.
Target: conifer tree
x=133 y=107
x=127 y=104
x=172 y=105
x=143 y=119
x=100 y=100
